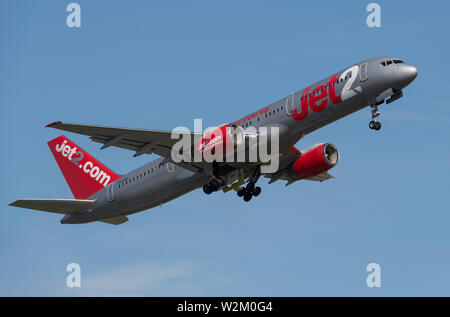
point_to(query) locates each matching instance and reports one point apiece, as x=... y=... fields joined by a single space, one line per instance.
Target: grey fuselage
x=161 y=181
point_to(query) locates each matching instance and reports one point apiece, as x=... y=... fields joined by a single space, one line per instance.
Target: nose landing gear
x=374 y=124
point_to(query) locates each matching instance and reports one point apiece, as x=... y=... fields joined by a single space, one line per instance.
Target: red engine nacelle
x=315 y=160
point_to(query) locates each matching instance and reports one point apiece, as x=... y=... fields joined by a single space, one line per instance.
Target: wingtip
x=52 y=124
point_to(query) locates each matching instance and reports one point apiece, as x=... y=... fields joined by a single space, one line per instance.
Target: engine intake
x=315 y=160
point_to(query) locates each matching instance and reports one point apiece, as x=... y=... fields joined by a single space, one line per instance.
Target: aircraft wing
x=141 y=141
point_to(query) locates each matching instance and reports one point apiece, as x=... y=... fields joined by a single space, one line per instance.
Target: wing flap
x=59 y=206
x=320 y=177
x=115 y=220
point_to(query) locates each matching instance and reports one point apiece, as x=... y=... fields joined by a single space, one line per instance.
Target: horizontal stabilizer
x=59 y=206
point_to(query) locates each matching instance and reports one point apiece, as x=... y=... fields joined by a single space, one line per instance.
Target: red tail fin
x=83 y=173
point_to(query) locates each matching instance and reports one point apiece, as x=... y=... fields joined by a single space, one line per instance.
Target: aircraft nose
x=408 y=74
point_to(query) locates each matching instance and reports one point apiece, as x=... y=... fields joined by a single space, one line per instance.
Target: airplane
x=102 y=195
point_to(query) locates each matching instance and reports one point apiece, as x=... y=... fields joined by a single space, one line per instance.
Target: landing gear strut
x=251 y=190
x=216 y=182
x=374 y=124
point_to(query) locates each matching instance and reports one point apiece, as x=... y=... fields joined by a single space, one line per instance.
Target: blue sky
x=159 y=65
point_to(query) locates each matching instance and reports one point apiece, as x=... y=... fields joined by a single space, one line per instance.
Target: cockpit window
x=389 y=62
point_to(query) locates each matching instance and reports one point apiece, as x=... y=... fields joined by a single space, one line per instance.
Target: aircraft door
x=363 y=74
x=169 y=167
x=169 y=189
x=290 y=105
x=110 y=192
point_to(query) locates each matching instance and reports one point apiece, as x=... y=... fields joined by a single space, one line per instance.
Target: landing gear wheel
x=241 y=192
x=374 y=125
x=214 y=185
x=256 y=191
x=248 y=196
x=207 y=189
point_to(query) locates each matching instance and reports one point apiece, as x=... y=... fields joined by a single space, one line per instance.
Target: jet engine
x=315 y=160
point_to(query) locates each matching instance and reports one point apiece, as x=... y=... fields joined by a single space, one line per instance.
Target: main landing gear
x=213 y=186
x=251 y=190
x=247 y=192
x=216 y=182
x=374 y=124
